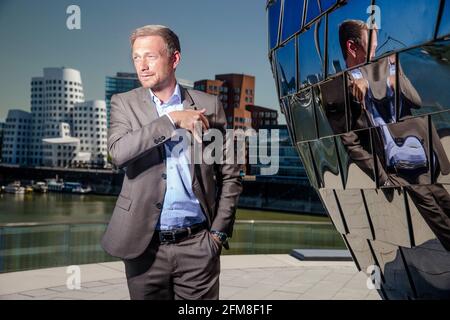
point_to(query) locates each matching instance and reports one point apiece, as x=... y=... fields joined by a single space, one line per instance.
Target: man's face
x=154 y=67
x=358 y=51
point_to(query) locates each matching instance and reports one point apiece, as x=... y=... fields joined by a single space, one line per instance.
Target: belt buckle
x=163 y=237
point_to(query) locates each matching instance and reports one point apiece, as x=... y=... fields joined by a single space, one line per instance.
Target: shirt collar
x=174 y=99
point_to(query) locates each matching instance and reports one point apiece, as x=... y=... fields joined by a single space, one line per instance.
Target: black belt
x=177 y=235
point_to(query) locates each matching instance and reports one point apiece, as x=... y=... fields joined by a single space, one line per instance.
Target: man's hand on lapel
x=191 y=120
x=359 y=88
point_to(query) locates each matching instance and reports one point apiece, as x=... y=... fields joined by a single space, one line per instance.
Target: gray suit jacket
x=136 y=140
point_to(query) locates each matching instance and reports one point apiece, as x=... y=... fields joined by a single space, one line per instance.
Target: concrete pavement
x=243 y=277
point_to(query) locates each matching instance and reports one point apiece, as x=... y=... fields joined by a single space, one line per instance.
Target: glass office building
x=121 y=82
x=364 y=86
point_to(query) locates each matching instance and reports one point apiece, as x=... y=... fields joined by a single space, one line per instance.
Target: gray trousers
x=432 y=201
x=188 y=270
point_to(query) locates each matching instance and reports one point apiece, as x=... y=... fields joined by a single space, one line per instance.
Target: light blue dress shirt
x=181 y=207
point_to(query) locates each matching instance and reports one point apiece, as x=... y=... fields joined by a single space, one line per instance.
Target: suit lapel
x=146 y=106
x=377 y=75
x=188 y=103
x=197 y=183
x=186 y=99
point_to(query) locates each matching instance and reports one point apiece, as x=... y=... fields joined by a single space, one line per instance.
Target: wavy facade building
x=62 y=129
x=364 y=86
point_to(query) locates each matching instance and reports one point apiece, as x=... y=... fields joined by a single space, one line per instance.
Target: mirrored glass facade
x=444 y=27
x=311 y=48
x=367 y=103
x=293 y=17
x=418 y=23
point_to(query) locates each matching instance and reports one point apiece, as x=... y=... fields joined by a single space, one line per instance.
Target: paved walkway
x=252 y=277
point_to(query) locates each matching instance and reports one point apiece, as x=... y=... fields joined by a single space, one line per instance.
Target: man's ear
x=351 y=48
x=176 y=59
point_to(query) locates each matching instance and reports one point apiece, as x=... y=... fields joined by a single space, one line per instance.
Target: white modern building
x=89 y=126
x=17 y=136
x=57 y=100
x=60 y=152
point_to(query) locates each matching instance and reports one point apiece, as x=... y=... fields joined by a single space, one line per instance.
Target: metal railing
x=35 y=245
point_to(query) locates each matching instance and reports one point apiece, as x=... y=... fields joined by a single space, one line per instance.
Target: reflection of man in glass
x=401 y=148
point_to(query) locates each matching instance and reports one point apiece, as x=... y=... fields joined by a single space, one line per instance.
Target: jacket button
x=164 y=176
x=158 y=205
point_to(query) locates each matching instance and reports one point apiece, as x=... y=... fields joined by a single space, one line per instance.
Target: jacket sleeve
x=362 y=158
x=229 y=183
x=126 y=145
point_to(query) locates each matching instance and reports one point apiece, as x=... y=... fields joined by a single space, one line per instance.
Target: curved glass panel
x=292 y=17
x=433 y=204
x=287 y=113
x=355 y=213
x=286 y=68
x=340 y=24
x=389 y=216
x=406 y=156
x=424 y=79
x=444 y=28
x=396 y=281
x=357 y=160
x=327 y=164
x=441 y=142
x=303 y=116
x=422 y=234
x=311 y=54
x=331 y=107
x=274 y=19
x=328 y=197
x=305 y=154
x=312 y=11
x=372 y=94
x=428 y=266
x=418 y=23
x=326 y=4
x=361 y=251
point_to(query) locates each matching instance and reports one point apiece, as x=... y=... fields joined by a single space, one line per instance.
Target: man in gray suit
x=173 y=214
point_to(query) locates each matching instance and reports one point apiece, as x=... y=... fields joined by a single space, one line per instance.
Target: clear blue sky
x=227 y=36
